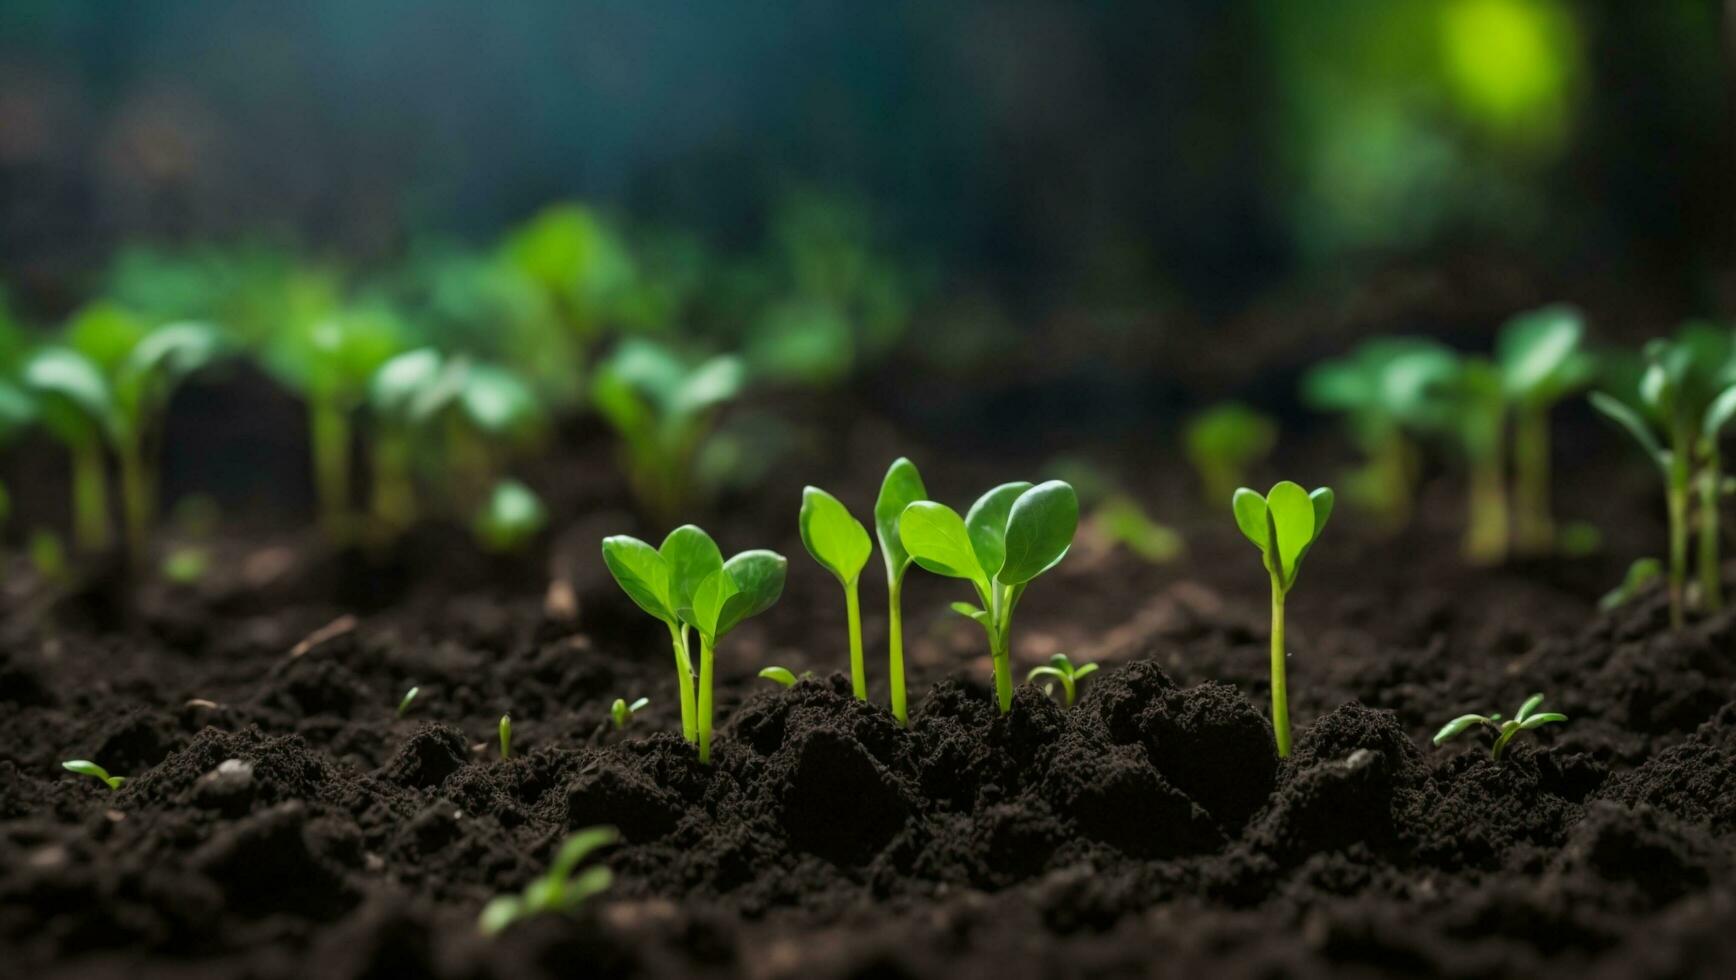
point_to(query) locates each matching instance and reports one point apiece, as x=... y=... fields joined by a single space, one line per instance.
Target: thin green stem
x=136 y=505
x=1534 y=526
x=684 y=681
x=394 y=496
x=1486 y=529
x=329 y=440
x=853 y=610
x=1280 y=687
x=705 y=662
x=895 y=644
x=1711 y=586
x=1678 y=512
x=90 y=518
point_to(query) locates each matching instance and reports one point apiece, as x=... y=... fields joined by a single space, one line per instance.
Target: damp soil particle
x=280 y=820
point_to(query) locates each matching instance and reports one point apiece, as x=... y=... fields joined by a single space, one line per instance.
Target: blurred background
x=1007 y=226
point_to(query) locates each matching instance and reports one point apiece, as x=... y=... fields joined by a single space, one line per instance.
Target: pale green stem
x=684 y=682
x=90 y=518
x=1535 y=527
x=705 y=669
x=1711 y=590
x=329 y=438
x=135 y=497
x=394 y=497
x=1280 y=688
x=895 y=642
x=1486 y=533
x=858 y=672
x=1678 y=511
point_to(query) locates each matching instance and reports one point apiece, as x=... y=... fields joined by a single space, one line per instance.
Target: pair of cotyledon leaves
x=1012 y=534
x=687 y=581
x=1693 y=376
x=1283 y=524
x=116 y=376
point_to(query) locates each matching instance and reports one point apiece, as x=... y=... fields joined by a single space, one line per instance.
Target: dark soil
x=279 y=820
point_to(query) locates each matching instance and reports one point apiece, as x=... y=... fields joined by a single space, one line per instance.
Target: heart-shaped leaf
x=1039 y=531
x=901 y=488
x=641 y=572
x=759 y=581
x=835 y=538
x=1291 y=512
x=937 y=540
x=690 y=555
x=987 y=523
x=1250 y=511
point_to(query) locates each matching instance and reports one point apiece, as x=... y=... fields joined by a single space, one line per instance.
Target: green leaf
x=759 y=581
x=1039 y=531
x=690 y=555
x=1457 y=727
x=710 y=384
x=1538 y=721
x=1291 y=511
x=969 y=611
x=1250 y=510
x=1618 y=412
x=1080 y=672
x=937 y=540
x=1529 y=706
x=642 y=574
x=837 y=540
x=901 y=488
x=511 y=517
x=396 y=386
x=780 y=675
x=1719 y=413
x=1046 y=671
x=1322 y=499
x=1642 y=573
x=1536 y=348
x=709 y=598
x=500 y=912
x=74 y=397
x=500 y=403
x=987 y=523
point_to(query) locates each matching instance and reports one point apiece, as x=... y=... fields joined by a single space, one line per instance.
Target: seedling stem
x=1280 y=675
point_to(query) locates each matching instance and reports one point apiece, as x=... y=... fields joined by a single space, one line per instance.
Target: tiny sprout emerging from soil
x=84 y=767
x=1525 y=720
x=622 y=712
x=688 y=586
x=1061 y=669
x=1011 y=535
x=901 y=488
x=1223 y=441
x=409 y=696
x=1640 y=576
x=1284 y=524
x=779 y=675
x=840 y=543
x=559 y=890
x=506 y=736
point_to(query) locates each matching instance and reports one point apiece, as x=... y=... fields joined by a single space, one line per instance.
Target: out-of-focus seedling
x=506 y=736
x=563 y=889
x=1527 y=719
x=511 y=518
x=901 y=487
x=84 y=767
x=404 y=702
x=1223 y=441
x=1284 y=524
x=779 y=675
x=622 y=712
x=1011 y=535
x=1541 y=363
x=840 y=543
x=1059 y=668
x=1478 y=423
x=1640 y=577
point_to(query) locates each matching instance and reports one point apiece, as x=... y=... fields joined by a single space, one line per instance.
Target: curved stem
x=895 y=643
x=858 y=673
x=1280 y=690
x=705 y=662
x=684 y=682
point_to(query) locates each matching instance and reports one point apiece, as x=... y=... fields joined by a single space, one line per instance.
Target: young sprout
x=1686 y=395
x=84 y=767
x=662 y=409
x=559 y=890
x=622 y=712
x=74 y=404
x=1061 y=669
x=511 y=519
x=1223 y=441
x=840 y=543
x=687 y=585
x=1283 y=524
x=901 y=487
x=1526 y=720
x=778 y=675
x=506 y=736
x=404 y=703
x=1011 y=535
x=1541 y=363
x=1478 y=423
x=1640 y=576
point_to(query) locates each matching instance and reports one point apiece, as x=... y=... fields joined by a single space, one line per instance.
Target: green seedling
x=1477 y=423
x=404 y=703
x=1121 y=520
x=186 y=564
x=48 y=556
x=1223 y=441
x=1059 y=668
x=1526 y=720
x=688 y=586
x=563 y=889
x=1389 y=391
x=901 y=487
x=111 y=384
x=840 y=544
x=779 y=675
x=1640 y=577
x=1011 y=535
x=662 y=408
x=578 y=260
x=506 y=736
x=511 y=519
x=1284 y=524
x=1686 y=396
x=622 y=712
x=85 y=767
x=1541 y=362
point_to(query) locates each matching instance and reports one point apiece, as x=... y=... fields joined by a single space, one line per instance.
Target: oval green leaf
x=901 y=488
x=987 y=523
x=780 y=675
x=1457 y=726
x=1039 y=531
x=1250 y=511
x=690 y=555
x=835 y=538
x=937 y=540
x=759 y=581
x=1292 y=516
x=641 y=573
